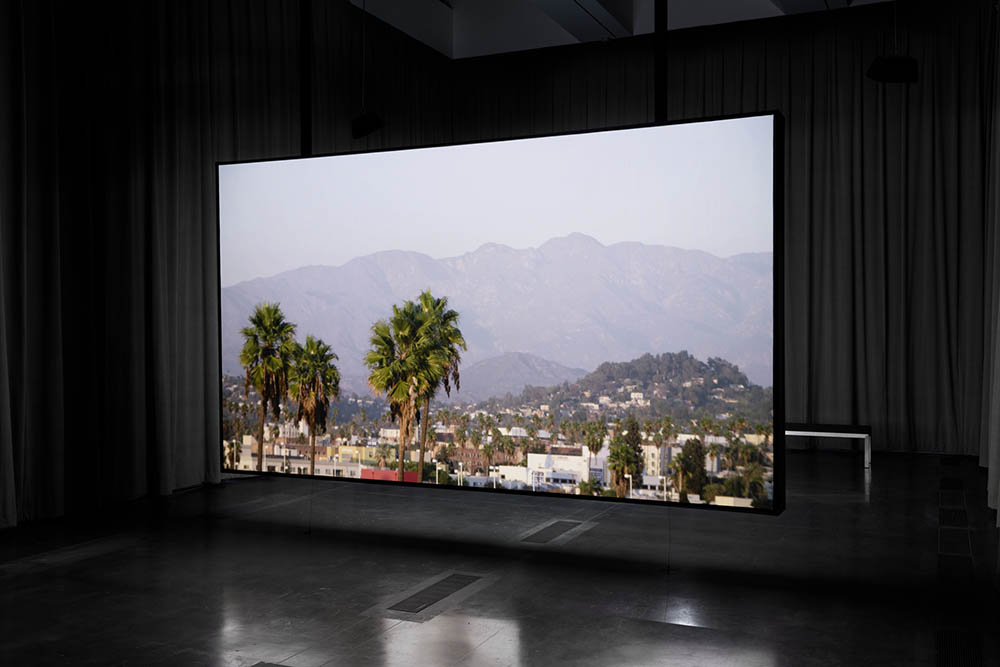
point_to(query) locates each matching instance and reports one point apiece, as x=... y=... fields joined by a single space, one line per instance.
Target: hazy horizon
x=703 y=186
x=490 y=243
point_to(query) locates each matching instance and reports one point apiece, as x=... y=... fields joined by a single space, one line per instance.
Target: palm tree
x=447 y=341
x=404 y=361
x=489 y=449
x=594 y=438
x=624 y=459
x=568 y=430
x=764 y=431
x=232 y=453
x=753 y=481
x=476 y=435
x=508 y=446
x=382 y=453
x=679 y=467
x=268 y=351
x=713 y=453
x=315 y=380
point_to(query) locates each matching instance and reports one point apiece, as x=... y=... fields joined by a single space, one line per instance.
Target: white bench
x=853 y=431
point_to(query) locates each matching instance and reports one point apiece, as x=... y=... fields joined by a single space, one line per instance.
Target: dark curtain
x=885 y=207
x=989 y=453
x=113 y=115
x=112 y=118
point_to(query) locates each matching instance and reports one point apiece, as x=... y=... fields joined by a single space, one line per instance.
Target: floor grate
x=434 y=593
x=551 y=532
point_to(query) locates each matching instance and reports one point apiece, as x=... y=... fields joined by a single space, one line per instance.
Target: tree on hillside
x=267 y=355
x=315 y=381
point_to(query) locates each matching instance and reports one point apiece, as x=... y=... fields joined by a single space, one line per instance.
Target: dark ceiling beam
x=802 y=6
x=590 y=20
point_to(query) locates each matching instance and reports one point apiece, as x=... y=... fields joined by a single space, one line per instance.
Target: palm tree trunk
x=260 y=436
x=423 y=438
x=312 y=451
x=403 y=428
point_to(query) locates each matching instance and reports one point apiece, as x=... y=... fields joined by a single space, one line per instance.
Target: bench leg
x=868 y=452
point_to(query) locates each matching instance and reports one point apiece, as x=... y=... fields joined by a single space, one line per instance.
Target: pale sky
x=704 y=186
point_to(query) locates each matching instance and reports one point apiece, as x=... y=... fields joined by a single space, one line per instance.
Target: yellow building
x=354 y=453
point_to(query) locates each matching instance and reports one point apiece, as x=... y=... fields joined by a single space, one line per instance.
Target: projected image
x=588 y=315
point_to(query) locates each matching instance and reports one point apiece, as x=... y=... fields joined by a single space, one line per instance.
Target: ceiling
x=468 y=28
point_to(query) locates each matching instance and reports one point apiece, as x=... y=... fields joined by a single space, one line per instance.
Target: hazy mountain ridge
x=572 y=302
x=510 y=373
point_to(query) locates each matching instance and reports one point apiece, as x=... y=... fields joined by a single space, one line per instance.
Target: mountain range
x=537 y=316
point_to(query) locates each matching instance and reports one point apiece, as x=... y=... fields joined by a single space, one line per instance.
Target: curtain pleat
x=989 y=453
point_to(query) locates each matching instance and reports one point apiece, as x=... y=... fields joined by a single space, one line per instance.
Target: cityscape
x=666 y=428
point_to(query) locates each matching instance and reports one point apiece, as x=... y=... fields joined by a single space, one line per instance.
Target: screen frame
x=778 y=325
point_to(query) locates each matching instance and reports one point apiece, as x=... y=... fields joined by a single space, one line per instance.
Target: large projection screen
x=593 y=314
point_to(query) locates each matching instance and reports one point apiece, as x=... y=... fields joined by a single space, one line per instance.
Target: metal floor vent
x=434 y=593
x=551 y=532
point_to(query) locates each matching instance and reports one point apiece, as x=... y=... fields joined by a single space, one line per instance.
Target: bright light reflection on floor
x=447 y=638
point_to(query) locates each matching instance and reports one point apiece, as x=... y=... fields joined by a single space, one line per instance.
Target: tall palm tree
x=447 y=341
x=489 y=449
x=267 y=355
x=568 y=430
x=404 y=361
x=713 y=453
x=624 y=460
x=476 y=435
x=315 y=381
x=679 y=467
x=594 y=438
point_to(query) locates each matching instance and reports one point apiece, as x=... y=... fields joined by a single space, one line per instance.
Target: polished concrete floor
x=898 y=570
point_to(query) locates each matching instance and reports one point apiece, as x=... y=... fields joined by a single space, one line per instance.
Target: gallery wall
x=119 y=111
